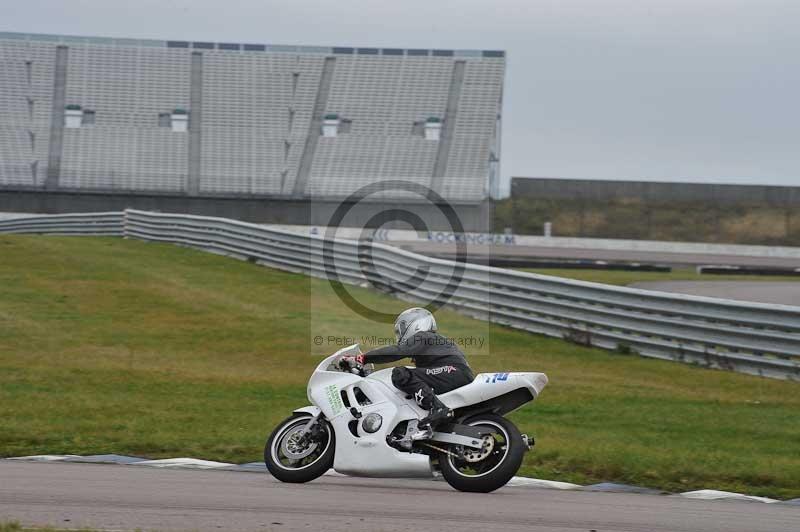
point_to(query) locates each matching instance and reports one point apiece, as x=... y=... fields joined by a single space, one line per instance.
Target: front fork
x=311 y=429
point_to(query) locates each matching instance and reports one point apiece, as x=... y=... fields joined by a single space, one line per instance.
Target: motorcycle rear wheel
x=491 y=467
x=288 y=460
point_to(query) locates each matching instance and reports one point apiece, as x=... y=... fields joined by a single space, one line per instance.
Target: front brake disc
x=293 y=449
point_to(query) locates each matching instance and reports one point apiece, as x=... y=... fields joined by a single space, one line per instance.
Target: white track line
x=45 y=457
x=541 y=483
x=715 y=494
x=183 y=462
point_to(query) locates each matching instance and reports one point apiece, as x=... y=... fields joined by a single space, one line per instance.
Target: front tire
x=288 y=460
x=491 y=467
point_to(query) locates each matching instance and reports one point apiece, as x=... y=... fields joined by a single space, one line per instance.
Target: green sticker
x=334 y=399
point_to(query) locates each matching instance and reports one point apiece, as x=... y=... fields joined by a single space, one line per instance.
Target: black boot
x=438 y=414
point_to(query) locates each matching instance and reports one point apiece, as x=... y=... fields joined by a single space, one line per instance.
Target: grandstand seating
x=254 y=125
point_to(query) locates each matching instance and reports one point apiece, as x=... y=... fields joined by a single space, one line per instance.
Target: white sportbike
x=362 y=425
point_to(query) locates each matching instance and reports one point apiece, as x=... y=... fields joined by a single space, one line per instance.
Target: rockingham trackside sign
x=401 y=235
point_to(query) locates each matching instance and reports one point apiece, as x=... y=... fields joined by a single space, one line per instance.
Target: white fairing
x=490 y=385
x=334 y=393
x=485 y=386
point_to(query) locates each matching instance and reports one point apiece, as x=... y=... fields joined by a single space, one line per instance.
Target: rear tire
x=283 y=465
x=499 y=465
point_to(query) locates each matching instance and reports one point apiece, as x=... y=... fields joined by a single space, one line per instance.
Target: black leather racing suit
x=441 y=366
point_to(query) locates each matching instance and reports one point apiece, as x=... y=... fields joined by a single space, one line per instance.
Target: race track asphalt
x=114 y=497
x=782 y=293
x=609 y=255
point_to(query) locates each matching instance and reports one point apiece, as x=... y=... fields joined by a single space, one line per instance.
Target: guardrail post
x=125 y=223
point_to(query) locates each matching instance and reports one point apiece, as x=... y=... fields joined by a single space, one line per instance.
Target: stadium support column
x=314 y=127
x=453 y=96
x=57 y=119
x=195 y=125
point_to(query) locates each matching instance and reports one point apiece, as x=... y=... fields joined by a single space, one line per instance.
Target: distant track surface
x=128 y=497
x=783 y=293
x=556 y=253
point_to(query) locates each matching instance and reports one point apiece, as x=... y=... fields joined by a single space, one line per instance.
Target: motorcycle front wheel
x=493 y=465
x=290 y=459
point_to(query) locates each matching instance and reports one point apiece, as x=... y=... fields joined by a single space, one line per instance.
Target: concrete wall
x=473 y=216
x=591 y=189
x=740 y=214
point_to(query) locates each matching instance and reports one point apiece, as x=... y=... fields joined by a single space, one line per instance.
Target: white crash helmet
x=412 y=321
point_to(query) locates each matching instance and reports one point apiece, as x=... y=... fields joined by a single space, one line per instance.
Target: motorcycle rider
x=440 y=364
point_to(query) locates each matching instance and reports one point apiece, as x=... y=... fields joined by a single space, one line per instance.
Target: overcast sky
x=679 y=90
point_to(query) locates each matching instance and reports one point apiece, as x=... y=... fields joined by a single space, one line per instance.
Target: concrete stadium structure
x=179 y=125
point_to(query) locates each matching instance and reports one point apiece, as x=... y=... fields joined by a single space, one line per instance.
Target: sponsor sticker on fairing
x=334 y=398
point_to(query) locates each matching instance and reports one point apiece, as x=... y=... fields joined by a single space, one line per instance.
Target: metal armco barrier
x=752 y=338
x=98 y=224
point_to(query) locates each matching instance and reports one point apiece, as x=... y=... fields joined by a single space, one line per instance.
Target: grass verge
x=111 y=345
x=15 y=526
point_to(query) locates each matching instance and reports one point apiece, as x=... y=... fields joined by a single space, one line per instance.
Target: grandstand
x=203 y=119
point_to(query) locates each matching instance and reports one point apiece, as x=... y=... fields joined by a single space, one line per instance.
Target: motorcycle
x=361 y=425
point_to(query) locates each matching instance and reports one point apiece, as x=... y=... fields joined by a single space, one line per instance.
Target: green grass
x=15 y=526
x=640 y=218
x=111 y=345
x=624 y=278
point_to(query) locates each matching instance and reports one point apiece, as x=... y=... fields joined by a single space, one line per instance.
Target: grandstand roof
x=248 y=47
